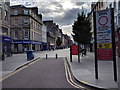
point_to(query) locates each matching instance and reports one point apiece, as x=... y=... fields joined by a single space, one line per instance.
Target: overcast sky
x=62 y=12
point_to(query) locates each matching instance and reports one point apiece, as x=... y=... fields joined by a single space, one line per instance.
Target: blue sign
x=6 y=39
x=17 y=41
x=25 y=42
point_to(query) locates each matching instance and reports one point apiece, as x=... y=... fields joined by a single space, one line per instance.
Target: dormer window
x=25 y=12
x=15 y=12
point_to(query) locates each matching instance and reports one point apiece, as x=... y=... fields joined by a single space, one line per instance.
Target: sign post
x=104 y=38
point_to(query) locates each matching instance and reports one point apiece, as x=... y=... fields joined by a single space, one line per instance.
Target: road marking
x=66 y=74
x=34 y=62
x=13 y=73
x=71 y=77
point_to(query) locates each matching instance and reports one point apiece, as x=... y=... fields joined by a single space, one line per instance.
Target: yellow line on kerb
x=11 y=74
x=66 y=74
x=71 y=78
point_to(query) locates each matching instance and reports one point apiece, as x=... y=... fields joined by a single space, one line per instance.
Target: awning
x=6 y=39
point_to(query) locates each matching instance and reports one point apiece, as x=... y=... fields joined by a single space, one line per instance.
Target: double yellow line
x=69 y=77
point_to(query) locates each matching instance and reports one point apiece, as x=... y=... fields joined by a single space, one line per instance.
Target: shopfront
x=21 y=46
x=6 y=46
x=44 y=47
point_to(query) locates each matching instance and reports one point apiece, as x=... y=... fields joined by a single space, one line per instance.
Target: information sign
x=103 y=34
x=74 y=49
x=104 y=38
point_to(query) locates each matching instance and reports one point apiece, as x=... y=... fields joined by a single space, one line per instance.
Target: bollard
x=46 y=56
x=56 y=56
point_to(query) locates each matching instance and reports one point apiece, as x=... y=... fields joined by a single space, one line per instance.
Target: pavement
x=84 y=71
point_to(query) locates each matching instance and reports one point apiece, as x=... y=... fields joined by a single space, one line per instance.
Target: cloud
x=22 y=2
x=63 y=12
x=68 y=17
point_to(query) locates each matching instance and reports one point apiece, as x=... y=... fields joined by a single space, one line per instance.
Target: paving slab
x=85 y=72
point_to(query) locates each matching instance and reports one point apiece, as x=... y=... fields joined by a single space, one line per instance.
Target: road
x=11 y=63
x=43 y=73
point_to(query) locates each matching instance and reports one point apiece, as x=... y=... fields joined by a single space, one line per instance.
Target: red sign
x=104 y=54
x=103 y=20
x=74 y=50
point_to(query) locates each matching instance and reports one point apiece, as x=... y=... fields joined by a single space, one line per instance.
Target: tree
x=58 y=41
x=81 y=30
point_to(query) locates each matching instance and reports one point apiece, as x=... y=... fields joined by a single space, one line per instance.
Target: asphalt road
x=50 y=73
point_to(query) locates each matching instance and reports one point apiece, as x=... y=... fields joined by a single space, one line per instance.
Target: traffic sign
x=104 y=38
x=105 y=45
x=103 y=20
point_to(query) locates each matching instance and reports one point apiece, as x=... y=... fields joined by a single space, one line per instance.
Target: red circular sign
x=101 y=19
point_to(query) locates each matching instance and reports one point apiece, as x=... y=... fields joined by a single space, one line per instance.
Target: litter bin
x=30 y=54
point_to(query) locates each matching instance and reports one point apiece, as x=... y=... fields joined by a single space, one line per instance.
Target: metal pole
x=46 y=56
x=113 y=44
x=96 y=61
x=78 y=53
x=70 y=54
x=56 y=56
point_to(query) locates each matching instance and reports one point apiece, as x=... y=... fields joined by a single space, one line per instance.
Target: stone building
x=44 y=37
x=26 y=28
x=95 y=6
x=50 y=34
x=53 y=32
x=67 y=41
x=5 y=28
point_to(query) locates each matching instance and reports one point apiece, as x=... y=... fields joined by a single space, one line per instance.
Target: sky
x=62 y=12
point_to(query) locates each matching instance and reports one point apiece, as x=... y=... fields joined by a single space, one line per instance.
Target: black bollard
x=56 y=56
x=46 y=56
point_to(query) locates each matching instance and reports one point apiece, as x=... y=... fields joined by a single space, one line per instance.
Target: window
x=0 y=14
x=114 y=5
x=0 y=4
x=26 y=21
x=16 y=22
x=119 y=20
x=6 y=15
x=119 y=4
x=26 y=12
x=15 y=12
x=110 y=5
x=26 y=34
x=16 y=34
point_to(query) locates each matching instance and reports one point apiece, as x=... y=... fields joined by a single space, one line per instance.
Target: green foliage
x=58 y=41
x=81 y=29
